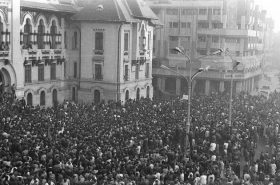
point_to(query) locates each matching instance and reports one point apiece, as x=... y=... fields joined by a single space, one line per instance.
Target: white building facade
x=82 y=51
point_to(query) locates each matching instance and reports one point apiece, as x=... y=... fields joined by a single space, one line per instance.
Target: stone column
x=222 y=87
x=159 y=83
x=207 y=87
x=245 y=86
x=248 y=85
x=253 y=84
x=238 y=87
x=178 y=86
x=16 y=58
x=163 y=84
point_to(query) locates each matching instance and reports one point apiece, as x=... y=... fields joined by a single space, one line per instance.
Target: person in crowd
x=140 y=142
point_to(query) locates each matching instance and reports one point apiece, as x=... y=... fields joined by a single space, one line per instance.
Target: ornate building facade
x=85 y=51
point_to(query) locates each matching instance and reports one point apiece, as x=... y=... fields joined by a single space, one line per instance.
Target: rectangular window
x=27 y=73
x=126 y=41
x=149 y=40
x=65 y=40
x=183 y=25
x=99 y=41
x=188 y=25
x=170 y=11
x=53 y=71
x=154 y=43
x=75 y=40
x=98 y=72
x=217 y=25
x=75 y=69
x=41 y=72
x=126 y=78
x=147 y=73
x=137 y=68
x=216 y=11
x=202 y=11
x=203 y=25
x=170 y=24
x=187 y=12
x=173 y=42
x=175 y=24
x=215 y=39
x=201 y=38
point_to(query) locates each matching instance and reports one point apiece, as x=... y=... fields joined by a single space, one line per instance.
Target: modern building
x=238 y=27
x=80 y=50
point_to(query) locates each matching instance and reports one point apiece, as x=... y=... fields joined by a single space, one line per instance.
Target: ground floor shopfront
x=177 y=86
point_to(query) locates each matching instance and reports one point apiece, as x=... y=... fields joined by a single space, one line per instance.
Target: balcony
x=228 y=32
x=35 y=54
x=98 y=77
x=217 y=18
x=201 y=44
x=173 y=31
x=98 y=52
x=185 y=32
x=4 y=54
x=202 y=17
x=126 y=78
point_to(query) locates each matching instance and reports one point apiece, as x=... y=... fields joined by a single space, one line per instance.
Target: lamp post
x=235 y=63
x=190 y=79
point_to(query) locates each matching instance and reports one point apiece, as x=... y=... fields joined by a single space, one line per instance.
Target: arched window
x=40 y=35
x=54 y=97
x=96 y=96
x=138 y=94
x=27 y=33
x=148 y=92
x=53 y=35
x=127 y=95
x=43 y=98
x=29 y=99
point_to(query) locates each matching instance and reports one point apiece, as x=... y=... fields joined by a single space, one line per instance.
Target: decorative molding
x=35 y=17
x=98 y=29
x=23 y=13
x=28 y=91
x=4 y=10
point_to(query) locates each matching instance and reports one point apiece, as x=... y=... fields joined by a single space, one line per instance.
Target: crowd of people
x=141 y=142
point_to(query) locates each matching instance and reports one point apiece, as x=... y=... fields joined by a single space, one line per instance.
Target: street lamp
x=190 y=78
x=235 y=63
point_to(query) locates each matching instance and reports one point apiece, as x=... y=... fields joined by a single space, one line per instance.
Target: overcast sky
x=273 y=10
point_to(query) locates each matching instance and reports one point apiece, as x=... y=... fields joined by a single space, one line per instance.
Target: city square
x=128 y=92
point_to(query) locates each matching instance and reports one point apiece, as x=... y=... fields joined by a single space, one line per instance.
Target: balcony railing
x=35 y=54
x=202 y=17
x=4 y=54
x=98 y=77
x=98 y=52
